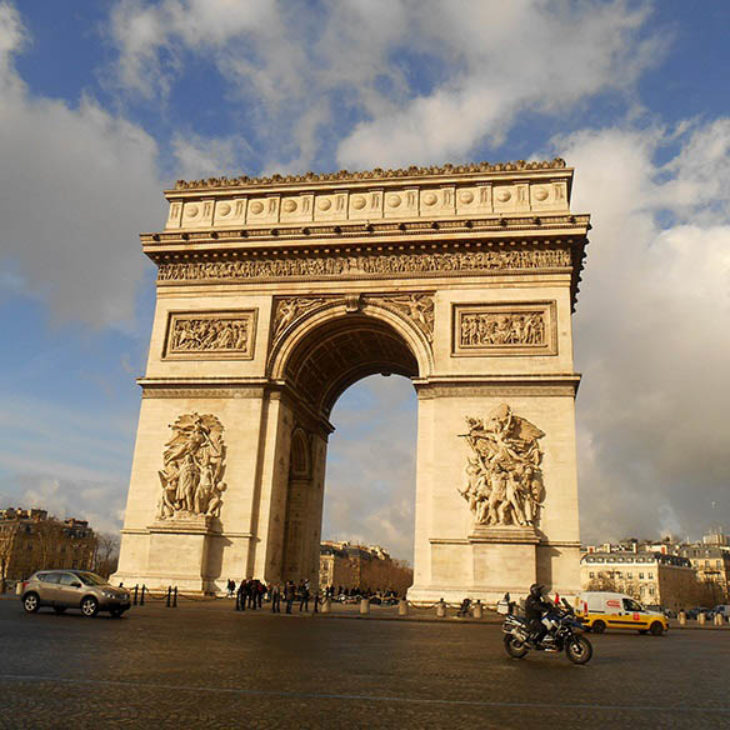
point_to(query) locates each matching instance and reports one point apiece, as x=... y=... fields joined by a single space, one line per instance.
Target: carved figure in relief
x=419 y=308
x=504 y=480
x=500 y=329
x=193 y=467
x=288 y=310
x=209 y=334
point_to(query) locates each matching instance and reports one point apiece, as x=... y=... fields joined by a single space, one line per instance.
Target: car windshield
x=91 y=579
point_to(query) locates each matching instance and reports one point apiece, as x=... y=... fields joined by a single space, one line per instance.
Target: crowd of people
x=251 y=594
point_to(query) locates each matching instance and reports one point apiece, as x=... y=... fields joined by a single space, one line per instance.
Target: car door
x=69 y=591
x=48 y=589
x=634 y=614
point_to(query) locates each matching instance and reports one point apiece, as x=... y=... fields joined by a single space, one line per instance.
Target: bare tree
x=8 y=535
x=106 y=554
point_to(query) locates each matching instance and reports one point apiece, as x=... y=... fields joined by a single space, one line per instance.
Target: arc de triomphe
x=276 y=294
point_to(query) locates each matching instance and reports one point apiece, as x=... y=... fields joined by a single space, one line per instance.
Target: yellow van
x=601 y=610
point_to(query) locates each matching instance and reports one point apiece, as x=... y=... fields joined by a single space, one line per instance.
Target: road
x=204 y=665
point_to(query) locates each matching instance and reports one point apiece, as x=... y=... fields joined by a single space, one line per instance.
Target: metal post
x=141 y=598
x=174 y=598
x=136 y=592
x=169 y=596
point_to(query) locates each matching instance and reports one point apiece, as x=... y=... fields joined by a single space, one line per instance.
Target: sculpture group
x=526 y=328
x=504 y=479
x=194 y=466
x=209 y=334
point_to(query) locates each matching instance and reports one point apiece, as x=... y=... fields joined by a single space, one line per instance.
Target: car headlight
x=108 y=594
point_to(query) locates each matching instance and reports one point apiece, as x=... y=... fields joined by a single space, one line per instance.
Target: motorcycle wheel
x=579 y=650
x=514 y=647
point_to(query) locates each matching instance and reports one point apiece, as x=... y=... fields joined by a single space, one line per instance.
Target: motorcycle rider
x=537 y=606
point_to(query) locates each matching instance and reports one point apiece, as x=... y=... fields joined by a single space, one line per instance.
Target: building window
x=641 y=576
x=651 y=576
x=592 y=575
x=651 y=590
x=630 y=576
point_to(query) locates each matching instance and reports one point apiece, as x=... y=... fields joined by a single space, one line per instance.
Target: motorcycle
x=563 y=633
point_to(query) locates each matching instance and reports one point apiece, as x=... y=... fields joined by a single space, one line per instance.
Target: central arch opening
x=322 y=365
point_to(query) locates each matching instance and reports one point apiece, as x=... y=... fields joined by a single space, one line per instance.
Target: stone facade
x=654 y=578
x=276 y=294
x=31 y=540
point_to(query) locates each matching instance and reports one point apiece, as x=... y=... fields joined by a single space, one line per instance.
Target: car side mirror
x=76 y=584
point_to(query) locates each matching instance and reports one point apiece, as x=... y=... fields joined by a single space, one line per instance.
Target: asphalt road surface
x=204 y=665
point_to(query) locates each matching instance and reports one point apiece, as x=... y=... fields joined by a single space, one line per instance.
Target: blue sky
x=104 y=104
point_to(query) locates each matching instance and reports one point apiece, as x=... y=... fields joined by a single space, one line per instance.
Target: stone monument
x=276 y=294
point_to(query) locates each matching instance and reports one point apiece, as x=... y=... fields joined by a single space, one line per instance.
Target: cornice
x=375 y=175
x=365 y=232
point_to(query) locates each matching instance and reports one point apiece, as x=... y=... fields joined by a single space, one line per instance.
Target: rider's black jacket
x=536 y=607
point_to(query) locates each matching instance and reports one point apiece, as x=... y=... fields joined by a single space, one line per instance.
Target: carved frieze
x=218 y=335
x=505 y=329
x=504 y=481
x=194 y=462
x=361 y=264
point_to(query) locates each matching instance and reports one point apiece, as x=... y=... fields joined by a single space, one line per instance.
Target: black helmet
x=536 y=590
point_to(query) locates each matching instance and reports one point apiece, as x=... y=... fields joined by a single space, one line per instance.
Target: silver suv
x=62 y=589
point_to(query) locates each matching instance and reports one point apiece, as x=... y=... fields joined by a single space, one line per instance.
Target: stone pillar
x=403 y=607
x=701 y=619
x=440 y=609
x=477 y=611
x=682 y=616
x=364 y=606
x=326 y=605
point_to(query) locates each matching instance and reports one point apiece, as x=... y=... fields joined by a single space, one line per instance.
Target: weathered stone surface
x=462 y=279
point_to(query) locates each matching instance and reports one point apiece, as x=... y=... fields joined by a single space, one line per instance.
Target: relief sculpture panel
x=194 y=462
x=219 y=335
x=505 y=329
x=504 y=479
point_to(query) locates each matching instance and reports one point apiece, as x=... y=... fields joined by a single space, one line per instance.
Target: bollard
x=136 y=592
x=701 y=618
x=364 y=606
x=174 y=598
x=141 y=598
x=169 y=596
x=718 y=619
x=478 y=610
x=326 y=605
x=402 y=607
x=440 y=609
x=682 y=616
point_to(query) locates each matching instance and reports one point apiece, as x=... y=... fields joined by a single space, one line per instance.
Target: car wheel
x=31 y=602
x=59 y=609
x=656 y=629
x=89 y=606
x=598 y=627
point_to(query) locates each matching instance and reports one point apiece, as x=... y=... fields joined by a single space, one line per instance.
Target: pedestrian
x=289 y=593
x=260 y=590
x=252 y=591
x=303 y=595
x=275 y=592
x=231 y=588
x=241 y=596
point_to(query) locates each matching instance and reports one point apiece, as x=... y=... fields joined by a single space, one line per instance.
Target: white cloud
x=432 y=79
x=650 y=324
x=78 y=185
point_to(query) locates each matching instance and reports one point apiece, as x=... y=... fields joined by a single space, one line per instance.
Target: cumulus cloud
x=78 y=185
x=371 y=466
x=649 y=329
x=425 y=80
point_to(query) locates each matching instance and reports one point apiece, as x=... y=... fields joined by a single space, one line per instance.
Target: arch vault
x=276 y=294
